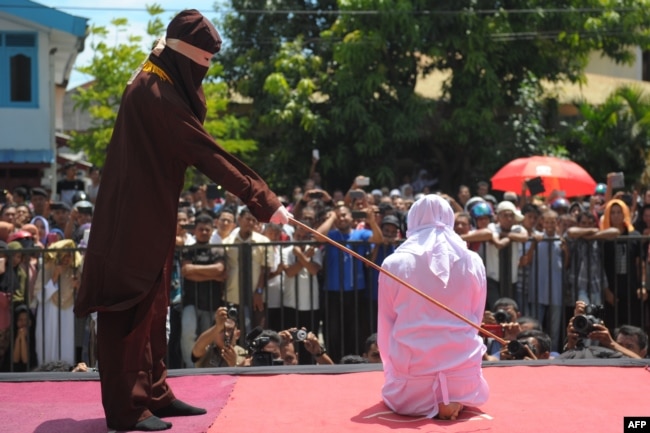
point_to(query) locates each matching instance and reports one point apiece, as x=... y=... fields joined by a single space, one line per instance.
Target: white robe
x=54 y=325
x=430 y=356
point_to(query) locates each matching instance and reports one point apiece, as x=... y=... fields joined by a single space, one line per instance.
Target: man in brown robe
x=158 y=134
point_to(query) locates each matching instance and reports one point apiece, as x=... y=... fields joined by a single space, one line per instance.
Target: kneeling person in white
x=432 y=360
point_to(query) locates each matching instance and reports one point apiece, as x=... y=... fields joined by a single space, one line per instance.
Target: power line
x=433 y=12
x=496 y=37
x=465 y=11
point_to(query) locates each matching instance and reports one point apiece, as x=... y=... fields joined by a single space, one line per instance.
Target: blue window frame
x=18 y=70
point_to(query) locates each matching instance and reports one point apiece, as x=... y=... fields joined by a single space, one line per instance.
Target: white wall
x=604 y=66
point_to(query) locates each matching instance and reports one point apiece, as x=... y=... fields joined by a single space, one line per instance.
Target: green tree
x=111 y=66
x=277 y=61
x=614 y=136
x=491 y=51
x=370 y=56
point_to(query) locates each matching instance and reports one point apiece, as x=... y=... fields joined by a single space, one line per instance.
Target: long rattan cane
x=373 y=265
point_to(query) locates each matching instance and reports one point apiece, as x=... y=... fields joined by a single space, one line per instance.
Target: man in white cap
x=503 y=252
x=432 y=360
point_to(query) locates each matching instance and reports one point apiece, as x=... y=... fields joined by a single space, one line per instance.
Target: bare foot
x=449 y=411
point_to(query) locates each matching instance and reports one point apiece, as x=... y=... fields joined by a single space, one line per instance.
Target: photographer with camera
x=530 y=342
x=217 y=346
x=501 y=321
x=371 y=350
x=522 y=332
x=293 y=336
x=315 y=198
x=263 y=348
x=504 y=310
x=588 y=337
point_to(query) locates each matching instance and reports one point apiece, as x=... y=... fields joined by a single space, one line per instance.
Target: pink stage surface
x=523 y=398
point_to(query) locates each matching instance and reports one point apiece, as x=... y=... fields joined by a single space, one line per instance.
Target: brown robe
x=158 y=134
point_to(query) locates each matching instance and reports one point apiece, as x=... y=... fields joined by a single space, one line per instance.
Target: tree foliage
x=111 y=66
x=492 y=51
x=340 y=76
x=277 y=60
x=364 y=114
x=614 y=136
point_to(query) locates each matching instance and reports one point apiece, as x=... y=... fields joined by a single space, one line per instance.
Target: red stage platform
x=564 y=396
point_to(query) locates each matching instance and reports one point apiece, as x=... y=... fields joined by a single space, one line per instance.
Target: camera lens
x=582 y=324
x=502 y=316
x=517 y=349
x=299 y=335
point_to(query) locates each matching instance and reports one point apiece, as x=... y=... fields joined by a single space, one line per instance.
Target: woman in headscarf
x=432 y=360
x=625 y=292
x=43 y=228
x=56 y=287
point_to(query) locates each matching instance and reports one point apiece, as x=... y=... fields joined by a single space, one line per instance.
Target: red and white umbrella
x=556 y=173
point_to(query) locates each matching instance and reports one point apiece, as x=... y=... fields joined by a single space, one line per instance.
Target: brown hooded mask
x=193 y=28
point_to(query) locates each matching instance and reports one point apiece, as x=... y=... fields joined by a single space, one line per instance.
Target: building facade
x=38 y=48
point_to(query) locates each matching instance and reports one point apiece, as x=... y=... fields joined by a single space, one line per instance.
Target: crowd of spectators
x=295 y=300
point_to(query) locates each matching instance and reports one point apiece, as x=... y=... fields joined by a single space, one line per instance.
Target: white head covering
x=431 y=234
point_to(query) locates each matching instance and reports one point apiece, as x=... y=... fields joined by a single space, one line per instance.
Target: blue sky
x=101 y=12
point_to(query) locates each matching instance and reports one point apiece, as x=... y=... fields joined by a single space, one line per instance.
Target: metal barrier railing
x=338 y=302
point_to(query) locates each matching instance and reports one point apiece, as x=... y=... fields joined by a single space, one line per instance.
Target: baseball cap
x=39 y=191
x=390 y=219
x=489 y=197
x=19 y=235
x=60 y=205
x=510 y=196
x=385 y=207
x=510 y=206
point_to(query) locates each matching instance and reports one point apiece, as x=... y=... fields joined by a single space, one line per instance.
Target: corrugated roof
x=45 y=16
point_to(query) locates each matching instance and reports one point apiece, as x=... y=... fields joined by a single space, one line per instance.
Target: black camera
x=232 y=312
x=517 y=348
x=298 y=335
x=258 y=344
x=502 y=316
x=583 y=324
x=230 y=325
x=257 y=341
